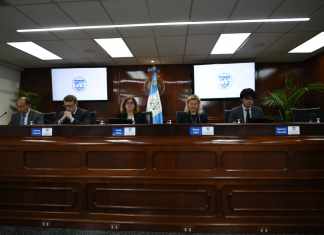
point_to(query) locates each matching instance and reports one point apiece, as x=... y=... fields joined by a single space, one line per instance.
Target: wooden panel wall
x=178 y=83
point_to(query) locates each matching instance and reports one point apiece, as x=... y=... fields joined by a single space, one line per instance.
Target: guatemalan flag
x=154 y=102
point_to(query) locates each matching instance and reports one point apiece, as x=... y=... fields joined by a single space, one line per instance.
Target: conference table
x=172 y=177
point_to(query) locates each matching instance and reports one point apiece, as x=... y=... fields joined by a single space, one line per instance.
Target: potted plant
x=288 y=97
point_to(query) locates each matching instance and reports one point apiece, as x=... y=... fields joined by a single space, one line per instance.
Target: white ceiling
x=168 y=45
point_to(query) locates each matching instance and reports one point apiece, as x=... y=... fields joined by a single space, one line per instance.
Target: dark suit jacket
x=81 y=116
x=237 y=113
x=34 y=116
x=140 y=118
x=185 y=117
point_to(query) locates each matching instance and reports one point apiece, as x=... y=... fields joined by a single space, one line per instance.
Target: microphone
x=4 y=114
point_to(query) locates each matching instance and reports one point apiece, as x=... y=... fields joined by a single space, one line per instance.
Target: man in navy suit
x=73 y=114
x=246 y=112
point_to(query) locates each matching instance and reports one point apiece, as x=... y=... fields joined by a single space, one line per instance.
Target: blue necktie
x=22 y=119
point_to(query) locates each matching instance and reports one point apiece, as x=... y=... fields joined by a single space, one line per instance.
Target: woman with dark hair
x=192 y=112
x=129 y=111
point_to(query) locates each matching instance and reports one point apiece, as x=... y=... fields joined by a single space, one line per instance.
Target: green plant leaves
x=288 y=98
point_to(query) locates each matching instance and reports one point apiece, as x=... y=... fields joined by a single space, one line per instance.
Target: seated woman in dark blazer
x=129 y=111
x=192 y=112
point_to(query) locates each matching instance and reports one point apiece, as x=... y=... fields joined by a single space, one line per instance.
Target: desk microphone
x=5 y=113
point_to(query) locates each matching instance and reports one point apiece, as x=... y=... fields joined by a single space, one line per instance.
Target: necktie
x=22 y=119
x=248 y=116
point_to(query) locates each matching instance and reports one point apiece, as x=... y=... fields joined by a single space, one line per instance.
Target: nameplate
x=201 y=131
x=36 y=132
x=293 y=130
x=47 y=131
x=287 y=130
x=123 y=131
x=41 y=132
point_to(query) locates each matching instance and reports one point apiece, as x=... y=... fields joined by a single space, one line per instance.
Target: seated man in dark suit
x=192 y=112
x=246 y=112
x=25 y=115
x=73 y=114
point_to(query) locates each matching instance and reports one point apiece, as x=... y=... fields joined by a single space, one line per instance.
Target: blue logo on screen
x=225 y=80
x=79 y=84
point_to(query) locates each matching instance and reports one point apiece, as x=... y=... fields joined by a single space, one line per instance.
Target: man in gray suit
x=246 y=112
x=25 y=115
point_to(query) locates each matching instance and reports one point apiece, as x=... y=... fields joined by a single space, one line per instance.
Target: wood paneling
x=164 y=179
x=273 y=201
x=178 y=81
x=254 y=160
x=116 y=160
x=51 y=160
x=38 y=197
x=309 y=160
x=184 y=160
x=151 y=200
x=11 y=160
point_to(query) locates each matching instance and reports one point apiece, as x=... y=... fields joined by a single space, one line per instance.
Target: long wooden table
x=243 y=178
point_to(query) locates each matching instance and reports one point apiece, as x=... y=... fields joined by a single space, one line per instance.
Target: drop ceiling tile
x=252 y=9
x=47 y=15
x=297 y=8
x=137 y=32
x=171 y=60
x=171 y=31
x=142 y=46
x=86 y=12
x=212 y=9
x=171 y=46
x=126 y=11
x=200 y=45
x=22 y=2
x=205 y=29
x=169 y=10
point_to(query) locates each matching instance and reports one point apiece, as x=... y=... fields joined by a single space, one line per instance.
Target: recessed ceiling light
x=115 y=47
x=311 y=45
x=283 y=20
x=152 y=61
x=34 y=50
x=229 y=43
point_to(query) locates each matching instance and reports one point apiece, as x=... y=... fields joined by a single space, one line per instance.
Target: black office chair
x=306 y=114
x=180 y=115
x=49 y=118
x=148 y=117
x=227 y=114
x=93 y=117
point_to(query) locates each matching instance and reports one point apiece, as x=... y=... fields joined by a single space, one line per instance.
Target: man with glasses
x=73 y=114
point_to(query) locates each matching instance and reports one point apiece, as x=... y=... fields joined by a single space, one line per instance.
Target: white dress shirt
x=26 y=118
x=244 y=112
